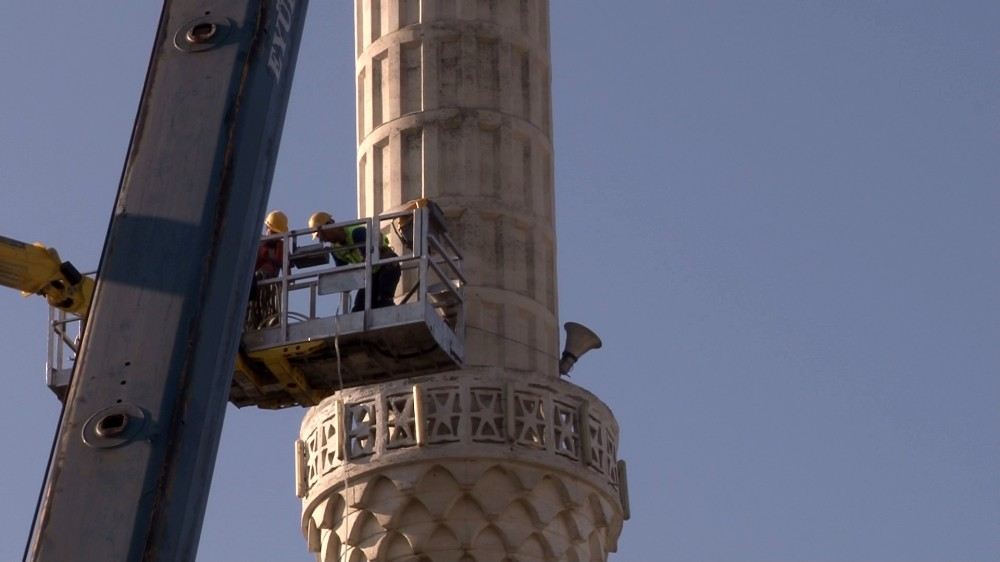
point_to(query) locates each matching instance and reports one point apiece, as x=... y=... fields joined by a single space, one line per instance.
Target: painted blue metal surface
x=132 y=464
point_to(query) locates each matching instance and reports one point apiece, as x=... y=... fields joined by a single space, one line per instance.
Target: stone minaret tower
x=509 y=462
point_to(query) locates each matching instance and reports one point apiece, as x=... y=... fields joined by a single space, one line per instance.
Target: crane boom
x=130 y=470
x=35 y=269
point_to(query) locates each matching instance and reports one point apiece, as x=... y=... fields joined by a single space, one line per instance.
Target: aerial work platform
x=303 y=341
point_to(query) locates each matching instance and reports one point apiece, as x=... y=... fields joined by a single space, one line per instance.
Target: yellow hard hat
x=318 y=219
x=276 y=221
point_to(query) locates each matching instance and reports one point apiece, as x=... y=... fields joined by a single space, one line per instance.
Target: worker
x=348 y=248
x=265 y=299
x=269 y=253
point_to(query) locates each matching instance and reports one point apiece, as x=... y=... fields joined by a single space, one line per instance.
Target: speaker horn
x=579 y=340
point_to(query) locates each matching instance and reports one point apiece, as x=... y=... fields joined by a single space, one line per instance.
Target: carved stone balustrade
x=466 y=452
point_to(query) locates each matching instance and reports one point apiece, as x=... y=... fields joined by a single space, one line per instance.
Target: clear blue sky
x=783 y=218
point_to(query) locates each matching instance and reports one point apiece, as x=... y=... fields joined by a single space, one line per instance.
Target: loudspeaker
x=579 y=340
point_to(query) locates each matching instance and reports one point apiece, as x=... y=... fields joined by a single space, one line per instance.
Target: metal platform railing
x=65 y=332
x=429 y=260
x=298 y=320
x=290 y=356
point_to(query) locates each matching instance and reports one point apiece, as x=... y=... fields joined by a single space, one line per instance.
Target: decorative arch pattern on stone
x=471 y=510
x=542 y=483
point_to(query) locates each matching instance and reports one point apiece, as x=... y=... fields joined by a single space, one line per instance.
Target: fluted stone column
x=454 y=104
x=503 y=460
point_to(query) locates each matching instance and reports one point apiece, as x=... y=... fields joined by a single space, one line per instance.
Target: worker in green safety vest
x=348 y=244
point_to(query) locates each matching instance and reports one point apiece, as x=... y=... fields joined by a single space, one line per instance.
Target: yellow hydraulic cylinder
x=35 y=269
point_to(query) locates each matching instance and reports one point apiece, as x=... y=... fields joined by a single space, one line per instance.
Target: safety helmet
x=318 y=219
x=276 y=221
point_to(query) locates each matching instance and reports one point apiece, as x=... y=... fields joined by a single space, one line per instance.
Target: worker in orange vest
x=269 y=253
x=265 y=300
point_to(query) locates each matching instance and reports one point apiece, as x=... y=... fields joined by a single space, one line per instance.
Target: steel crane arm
x=130 y=469
x=35 y=269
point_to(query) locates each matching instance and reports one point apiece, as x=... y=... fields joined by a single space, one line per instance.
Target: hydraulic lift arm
x=35 y=269
x=130 y=470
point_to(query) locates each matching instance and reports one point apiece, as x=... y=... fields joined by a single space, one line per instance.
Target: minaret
x=502 y=460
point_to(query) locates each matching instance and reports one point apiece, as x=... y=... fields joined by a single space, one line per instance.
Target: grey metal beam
x=132 y=463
